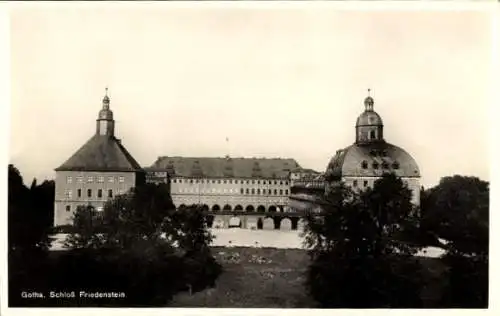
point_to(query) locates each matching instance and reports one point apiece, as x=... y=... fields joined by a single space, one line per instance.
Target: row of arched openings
x=227 y=207
x=261 y=223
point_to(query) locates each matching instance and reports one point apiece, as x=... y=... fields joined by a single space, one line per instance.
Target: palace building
x=99 y=170
x=227 y=184
x=238 y=192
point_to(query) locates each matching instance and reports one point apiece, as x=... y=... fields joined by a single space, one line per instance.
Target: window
x=69 y=179
x=100 y=209
x=191 y=181
x=100 y=179
x=264 y=182
x=90 y=179
x=372 y=134
x=385 y=165
x=375 y=165
x=275 y=192
x=68 y=208
x=242 y=191
x=218 y=181
x=110 y=193
x=275 y=182
x=365 y=183
x=111 y=179
x=89 y=193
x=235 y=181
x=79 y=179
x=180 y=180
x=68 y=194
x=230 y=181
x=253 y=181
x=258 y=191
x=355 y=183
x=247 y=191
x=253 y=191
x=225 y=181
x=364 y=165
x=281 y=192
x=395 y=165
x=197 y=181
x=248 y=181
x=281 y=182
x=286 y=192
x=79 y=192
x=175 y=180
x=258 y=181
x=99 y=193
x=286 y=182
x=269 y=192
x=121 y=179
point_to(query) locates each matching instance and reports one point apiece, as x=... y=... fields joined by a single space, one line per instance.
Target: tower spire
x=105 y=121
x=369 y=102
x=105 y=100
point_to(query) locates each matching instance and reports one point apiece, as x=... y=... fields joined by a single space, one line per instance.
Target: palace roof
x=225 y=167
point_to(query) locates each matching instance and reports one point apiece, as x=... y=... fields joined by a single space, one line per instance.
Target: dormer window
x=364 y=165
x=395 y=165
x=375 y=165
x=385 y=165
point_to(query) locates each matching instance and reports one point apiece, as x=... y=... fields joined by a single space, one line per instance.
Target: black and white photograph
x=258 y=155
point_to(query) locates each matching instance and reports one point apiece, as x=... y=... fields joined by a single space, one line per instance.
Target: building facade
x=227 y=184
x=99 y=170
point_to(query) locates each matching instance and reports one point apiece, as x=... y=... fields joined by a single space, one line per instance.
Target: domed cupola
x=369 y=125
x=105 y=122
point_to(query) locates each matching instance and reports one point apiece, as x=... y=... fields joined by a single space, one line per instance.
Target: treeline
x=30 y=213
x=139 y=246
x=363 y=246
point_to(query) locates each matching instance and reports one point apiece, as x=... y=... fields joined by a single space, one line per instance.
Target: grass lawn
x=275 y=282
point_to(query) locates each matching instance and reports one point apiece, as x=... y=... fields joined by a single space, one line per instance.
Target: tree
x=29 y=224
x=152 y=250
x=358 y=258
x=28 y=228
x=457 y=210
x=86 y=228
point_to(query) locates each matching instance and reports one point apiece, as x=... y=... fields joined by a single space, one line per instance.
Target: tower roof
x=369 y=117
x=105 y=113
x=101 y=153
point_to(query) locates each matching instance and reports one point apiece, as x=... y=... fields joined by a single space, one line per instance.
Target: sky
x=276 y=82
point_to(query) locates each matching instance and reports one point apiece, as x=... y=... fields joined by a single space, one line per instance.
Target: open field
x=276 y=281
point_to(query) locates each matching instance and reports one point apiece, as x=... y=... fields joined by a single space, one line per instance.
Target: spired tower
x=369 y=125
x=98 y=171
x=105 y=121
